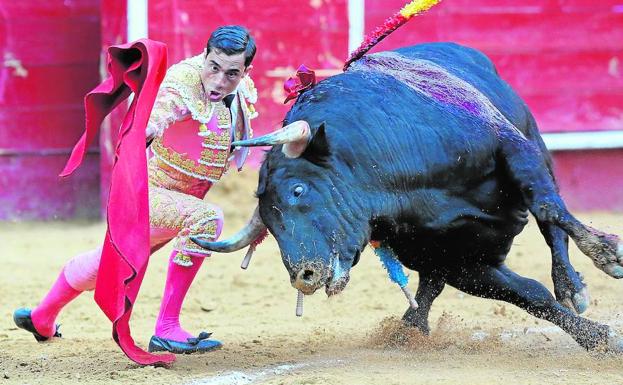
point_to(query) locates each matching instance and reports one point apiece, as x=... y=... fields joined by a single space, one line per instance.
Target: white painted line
x=245 y=378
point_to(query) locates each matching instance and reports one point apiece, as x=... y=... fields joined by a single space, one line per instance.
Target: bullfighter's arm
x=168 y=108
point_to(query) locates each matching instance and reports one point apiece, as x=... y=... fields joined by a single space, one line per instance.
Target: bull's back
x=457 y=103
x=476 y=69
x=479 y=71
x=420 y=115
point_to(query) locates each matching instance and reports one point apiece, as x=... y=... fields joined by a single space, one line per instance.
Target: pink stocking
x=78 y=275
x=44 y=315
x=178 y=281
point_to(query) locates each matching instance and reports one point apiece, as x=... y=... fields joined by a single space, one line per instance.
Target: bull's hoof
x=577 y=303
x=614 y=266
x=412 y=319
x=422 y=328
x=605 y=250
x=571 y=291
x=615 y=343
x=614 y=270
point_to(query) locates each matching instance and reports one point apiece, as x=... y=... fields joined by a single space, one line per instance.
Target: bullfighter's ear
x=318 y=150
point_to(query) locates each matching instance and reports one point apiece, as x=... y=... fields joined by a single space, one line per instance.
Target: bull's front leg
x=430 y=285
x=526 y=165
x=568 y=286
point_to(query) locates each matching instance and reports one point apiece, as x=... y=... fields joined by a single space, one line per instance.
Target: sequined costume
x=191 y=150
x=152 y=201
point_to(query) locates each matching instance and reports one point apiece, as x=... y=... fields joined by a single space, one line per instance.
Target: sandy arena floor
x=349 y=339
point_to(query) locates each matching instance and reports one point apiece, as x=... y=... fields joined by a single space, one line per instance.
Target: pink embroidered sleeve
x=168 y=109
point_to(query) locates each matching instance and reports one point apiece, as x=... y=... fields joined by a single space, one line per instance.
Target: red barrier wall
x=50 y=62
x=562 y=56
x=565 y=59
x=288 y=33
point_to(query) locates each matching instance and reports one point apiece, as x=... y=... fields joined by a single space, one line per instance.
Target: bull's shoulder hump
x=448 y=54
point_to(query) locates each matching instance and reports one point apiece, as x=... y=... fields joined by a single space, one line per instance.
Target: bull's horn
x=241 y=239
x=294 y=137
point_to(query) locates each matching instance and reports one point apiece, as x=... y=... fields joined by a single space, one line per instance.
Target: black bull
x=428 y=151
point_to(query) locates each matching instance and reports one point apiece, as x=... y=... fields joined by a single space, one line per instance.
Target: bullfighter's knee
x=206 y=222
x=209 y=222
x=81 y=271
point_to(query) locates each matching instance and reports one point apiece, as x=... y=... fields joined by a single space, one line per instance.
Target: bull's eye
x=298 y=190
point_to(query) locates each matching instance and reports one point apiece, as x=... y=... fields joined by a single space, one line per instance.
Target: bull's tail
x=413 y=8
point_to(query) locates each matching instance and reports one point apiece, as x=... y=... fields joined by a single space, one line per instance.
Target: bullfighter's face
x=222 y=73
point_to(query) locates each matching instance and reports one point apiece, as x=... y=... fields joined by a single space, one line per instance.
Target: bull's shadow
x=427 y=151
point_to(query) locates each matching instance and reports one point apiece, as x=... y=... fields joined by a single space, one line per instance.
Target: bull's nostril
x=308 y=275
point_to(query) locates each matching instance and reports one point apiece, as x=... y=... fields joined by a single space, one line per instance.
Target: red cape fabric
x=138 y=68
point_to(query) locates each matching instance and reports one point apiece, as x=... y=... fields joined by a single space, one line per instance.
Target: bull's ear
x=263 y=178
x=318 y=150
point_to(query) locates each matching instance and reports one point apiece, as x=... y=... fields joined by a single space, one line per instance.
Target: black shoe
x=199 y=344
x=23 y=319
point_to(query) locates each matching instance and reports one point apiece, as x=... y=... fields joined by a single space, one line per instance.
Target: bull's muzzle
x=308 y=279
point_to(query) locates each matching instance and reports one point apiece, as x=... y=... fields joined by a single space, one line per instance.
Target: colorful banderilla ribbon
x=413 y=8
x=394 y=269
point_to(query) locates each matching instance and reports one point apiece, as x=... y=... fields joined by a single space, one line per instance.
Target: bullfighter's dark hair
x=232 y=40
